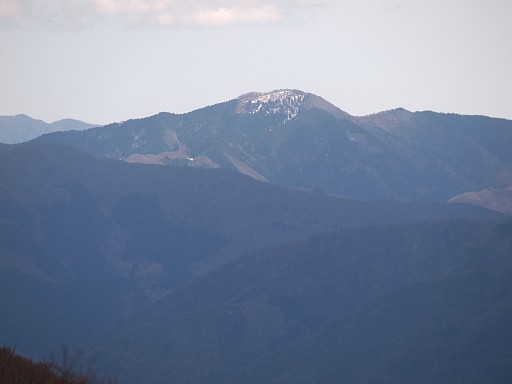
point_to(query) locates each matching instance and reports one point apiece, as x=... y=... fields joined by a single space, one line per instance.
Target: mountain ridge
x=297 y=139
x=20 y=128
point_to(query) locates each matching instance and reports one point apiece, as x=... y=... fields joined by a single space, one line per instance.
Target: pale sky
x=103 y=61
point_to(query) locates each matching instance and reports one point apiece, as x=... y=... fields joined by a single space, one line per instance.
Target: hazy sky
x=110 y=60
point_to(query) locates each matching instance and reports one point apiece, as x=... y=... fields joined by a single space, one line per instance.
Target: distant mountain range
x=297 y=139
x=20 y=128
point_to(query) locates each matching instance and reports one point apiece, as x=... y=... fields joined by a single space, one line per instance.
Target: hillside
x=96 y=239
x=498 y=199
x=297 y=139
x=417 y=303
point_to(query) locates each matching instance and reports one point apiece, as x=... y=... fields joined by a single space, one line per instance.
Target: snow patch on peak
x=284 y=102
x=276 y=95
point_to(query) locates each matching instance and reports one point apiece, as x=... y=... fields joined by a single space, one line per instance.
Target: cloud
x=154 y=13
x=9 y=9
x=170 y=13
x=45 y=13
x=235 y=15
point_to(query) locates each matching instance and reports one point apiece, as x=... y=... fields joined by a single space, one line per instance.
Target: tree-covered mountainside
x=95 y=239
x=297 y=139
x=422 y=303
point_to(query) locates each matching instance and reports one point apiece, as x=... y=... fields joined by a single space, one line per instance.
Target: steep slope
x=418 y=303
x=84 y=240
x=297 y=139
x=20 y=128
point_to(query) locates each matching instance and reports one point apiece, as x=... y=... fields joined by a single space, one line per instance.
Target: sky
x=103 y=61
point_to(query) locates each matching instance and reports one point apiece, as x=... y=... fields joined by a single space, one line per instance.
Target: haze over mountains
x=272 y=238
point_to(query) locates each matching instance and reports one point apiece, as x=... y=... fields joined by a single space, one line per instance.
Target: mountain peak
x=287 y=102
x=283 y=101
x=387 y=120
x=277 y=94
